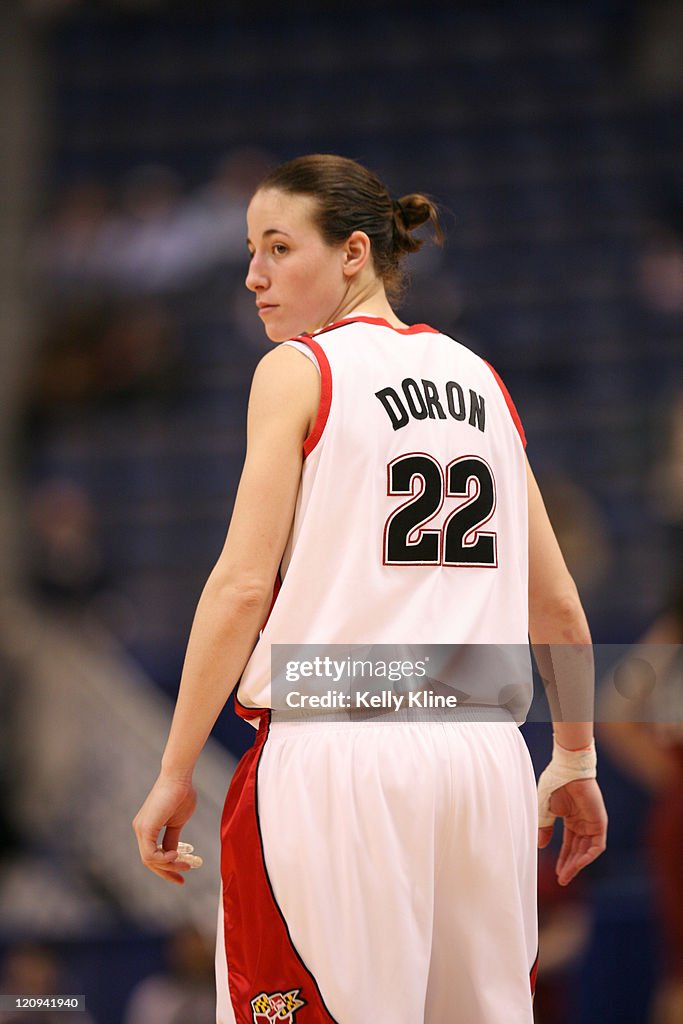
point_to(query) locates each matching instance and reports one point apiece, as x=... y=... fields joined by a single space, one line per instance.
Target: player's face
x=297 y=277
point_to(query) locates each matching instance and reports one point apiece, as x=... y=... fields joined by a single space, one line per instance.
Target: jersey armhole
x=510 y=404
x=313 y=351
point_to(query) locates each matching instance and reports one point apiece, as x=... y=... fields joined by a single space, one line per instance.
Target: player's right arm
x=561 y=640
x=236 y=597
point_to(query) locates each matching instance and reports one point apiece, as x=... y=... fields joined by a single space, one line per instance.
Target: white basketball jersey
x=411 y=519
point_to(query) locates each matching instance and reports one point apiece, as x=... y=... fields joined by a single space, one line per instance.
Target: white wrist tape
x=565 y=766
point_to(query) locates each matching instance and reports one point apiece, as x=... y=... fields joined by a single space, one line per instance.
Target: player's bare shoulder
x=286 y=382
x=287 y=361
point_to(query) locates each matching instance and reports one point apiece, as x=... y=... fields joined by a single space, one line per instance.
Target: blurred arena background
x=131 y=136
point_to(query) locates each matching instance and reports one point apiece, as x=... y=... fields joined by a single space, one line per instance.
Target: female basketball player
x=374 y=869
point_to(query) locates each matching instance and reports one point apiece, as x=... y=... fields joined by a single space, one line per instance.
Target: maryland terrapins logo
x=279 y=1007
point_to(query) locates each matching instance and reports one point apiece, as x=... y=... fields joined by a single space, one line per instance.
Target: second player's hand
x=582 y=809
x=170 y=804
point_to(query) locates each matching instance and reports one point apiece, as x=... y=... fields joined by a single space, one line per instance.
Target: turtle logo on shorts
x=276 y=1008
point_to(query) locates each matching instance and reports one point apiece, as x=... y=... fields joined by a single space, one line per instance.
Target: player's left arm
x=237 y=595
x=562 y=645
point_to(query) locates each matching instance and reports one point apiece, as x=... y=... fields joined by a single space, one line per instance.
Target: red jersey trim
x=510 y=404
x=325 y=393
x=379 y=321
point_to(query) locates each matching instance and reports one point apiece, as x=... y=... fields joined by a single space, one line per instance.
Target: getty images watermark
x=332 y=672
x=565 y=682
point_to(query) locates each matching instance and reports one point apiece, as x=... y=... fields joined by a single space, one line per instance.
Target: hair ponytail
x=410 y=213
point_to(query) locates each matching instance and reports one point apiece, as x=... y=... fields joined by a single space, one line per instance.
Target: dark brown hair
x=352 y=198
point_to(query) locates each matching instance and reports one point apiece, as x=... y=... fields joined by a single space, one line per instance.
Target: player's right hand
x=169 y=805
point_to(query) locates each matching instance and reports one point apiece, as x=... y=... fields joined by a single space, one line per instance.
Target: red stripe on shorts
x=532 y=975
x=260 y=953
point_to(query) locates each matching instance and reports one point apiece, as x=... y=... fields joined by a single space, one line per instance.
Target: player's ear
x=357 y=251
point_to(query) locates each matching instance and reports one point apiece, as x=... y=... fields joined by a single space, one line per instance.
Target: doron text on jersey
x=420 y=400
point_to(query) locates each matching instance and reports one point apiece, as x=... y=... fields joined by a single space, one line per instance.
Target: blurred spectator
x=150 y=247
x=69 y=249
x=95 y=354
x=642 y=729
x=137 y=355
x=10 y=682
x=157 y=239
x=581 y=529
x=660 y=264
x=185 y=993
x=66 y=562
x=658 y=47
x=34 y=970
x=63 y=375
x=667 y=477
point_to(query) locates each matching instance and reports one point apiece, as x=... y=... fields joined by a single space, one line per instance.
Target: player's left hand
x=170 y=804
x=580 y=805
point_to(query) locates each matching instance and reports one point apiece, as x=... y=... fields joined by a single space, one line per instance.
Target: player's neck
x=370 y=301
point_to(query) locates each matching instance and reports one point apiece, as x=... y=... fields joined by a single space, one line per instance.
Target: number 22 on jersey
x=460 y=541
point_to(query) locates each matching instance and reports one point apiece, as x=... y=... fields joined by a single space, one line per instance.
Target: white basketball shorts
x=379 y=872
